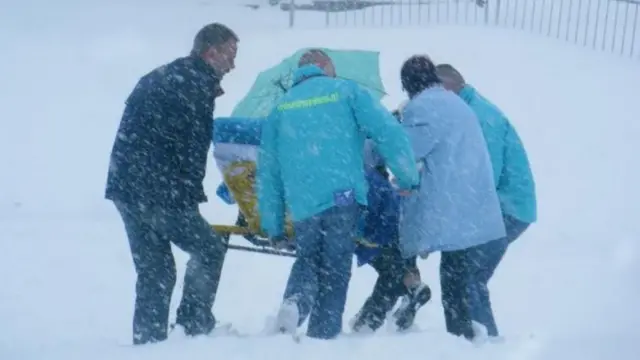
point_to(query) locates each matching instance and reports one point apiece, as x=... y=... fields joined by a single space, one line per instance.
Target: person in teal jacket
x=311 y=159
x=514 y=183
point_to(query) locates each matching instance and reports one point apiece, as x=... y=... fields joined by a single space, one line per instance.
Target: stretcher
x=236 y=139
x=235 y=150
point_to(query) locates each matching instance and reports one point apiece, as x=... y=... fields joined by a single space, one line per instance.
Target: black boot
x=414 y=300
x=195 y=324
x=366 y=321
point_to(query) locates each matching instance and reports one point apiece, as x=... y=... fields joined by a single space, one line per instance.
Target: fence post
x=292 y=5
x=486 y=13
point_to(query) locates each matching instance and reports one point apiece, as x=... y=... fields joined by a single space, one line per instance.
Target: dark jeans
x=320 y=275
x=389 y=287
x=454 y=269
x=151 y=230
x=464 y=275
x=486 y=259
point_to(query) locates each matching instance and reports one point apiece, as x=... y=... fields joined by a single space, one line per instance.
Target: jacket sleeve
x=387 y=134
x=371 y=157
x=269 y=183
x=516 y=162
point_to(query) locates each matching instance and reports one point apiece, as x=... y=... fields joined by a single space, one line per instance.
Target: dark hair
x=418 y=73
x=212 y=35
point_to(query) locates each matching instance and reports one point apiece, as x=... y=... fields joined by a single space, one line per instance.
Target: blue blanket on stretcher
x=234 y=139
x=380 y=219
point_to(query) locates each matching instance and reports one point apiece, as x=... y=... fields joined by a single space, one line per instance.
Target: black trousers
x=389 y=287
x=150 y=231
x=455 y=267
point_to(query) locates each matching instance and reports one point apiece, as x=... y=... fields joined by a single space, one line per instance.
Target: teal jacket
x=311 y=152
x=511 y=169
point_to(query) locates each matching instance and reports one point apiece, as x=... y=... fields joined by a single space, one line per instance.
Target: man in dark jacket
x=158 y=163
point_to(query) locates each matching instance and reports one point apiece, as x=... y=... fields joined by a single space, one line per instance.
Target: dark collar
x=209 y=72
x=218 y=90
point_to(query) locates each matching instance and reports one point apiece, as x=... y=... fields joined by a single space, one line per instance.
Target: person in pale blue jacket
x=311 y=159
x=514 y=183
x=457 y=208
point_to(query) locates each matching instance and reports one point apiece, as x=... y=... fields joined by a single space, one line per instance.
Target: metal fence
x=604 y=25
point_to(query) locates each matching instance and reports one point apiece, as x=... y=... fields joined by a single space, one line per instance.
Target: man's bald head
x=450 y=77
x=320 y=59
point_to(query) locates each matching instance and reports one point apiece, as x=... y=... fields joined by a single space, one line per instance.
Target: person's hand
x=402 y=105
x=406 y=192
x=400 y=191
x=281 y=242
x=278 y=241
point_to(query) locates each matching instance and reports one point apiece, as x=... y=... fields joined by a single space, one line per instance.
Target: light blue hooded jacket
x=311 y=152
x=511 y=170
x=457 y=206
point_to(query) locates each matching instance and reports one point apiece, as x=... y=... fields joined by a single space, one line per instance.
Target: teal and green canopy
x=360 y=66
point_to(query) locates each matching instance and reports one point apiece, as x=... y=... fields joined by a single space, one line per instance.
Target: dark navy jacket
x=160 y=152
x=380 y=222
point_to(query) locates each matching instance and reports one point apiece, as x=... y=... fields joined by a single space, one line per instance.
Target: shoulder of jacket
x=346 y=86
x=175 y=66
x=420 y=102
x=169 y=74
x=326 y=85
x=334 y=84
x=488 y=112
x=484 y=104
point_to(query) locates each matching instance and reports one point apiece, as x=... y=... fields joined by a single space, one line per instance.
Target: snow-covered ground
x=567 y=290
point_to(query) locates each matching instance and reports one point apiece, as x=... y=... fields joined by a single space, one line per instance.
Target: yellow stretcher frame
x=240 y=179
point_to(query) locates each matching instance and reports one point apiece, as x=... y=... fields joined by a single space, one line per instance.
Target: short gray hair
x=212 y=35
x=449 y=72
x=314 y=57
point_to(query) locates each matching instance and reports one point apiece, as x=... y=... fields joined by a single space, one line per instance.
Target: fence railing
x=604 y=25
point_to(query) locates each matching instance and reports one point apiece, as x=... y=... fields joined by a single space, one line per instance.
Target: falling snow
x=568 y=288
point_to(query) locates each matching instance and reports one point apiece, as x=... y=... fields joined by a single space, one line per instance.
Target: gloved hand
x=406 y=192
x=396 y=114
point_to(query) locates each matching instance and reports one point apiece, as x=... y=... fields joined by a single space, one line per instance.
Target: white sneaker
x=288 y=317
x=480 y=333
